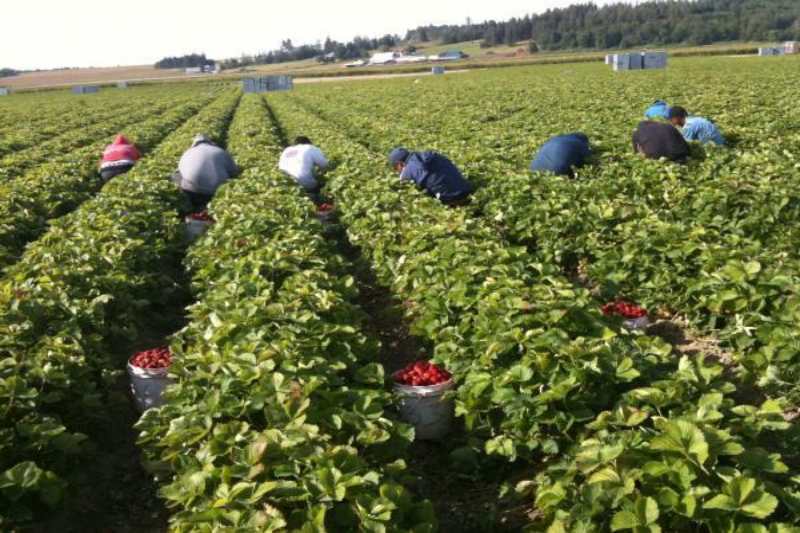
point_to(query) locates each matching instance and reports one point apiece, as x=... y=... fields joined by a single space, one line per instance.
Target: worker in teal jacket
x=697 y=129
x=658 y=111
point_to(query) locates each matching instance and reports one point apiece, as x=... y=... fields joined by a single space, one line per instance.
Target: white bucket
x=195 y=228
x=637 y=323
x=425 y=409
x=147 y=385
x=326 y=217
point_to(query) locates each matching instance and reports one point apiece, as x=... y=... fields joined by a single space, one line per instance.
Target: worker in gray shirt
x=203 y=168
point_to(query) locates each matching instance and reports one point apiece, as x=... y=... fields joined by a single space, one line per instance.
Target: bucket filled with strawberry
x=197 y=224
x=420 y=388
x=326 y=212
x=634 y=316
x=148 y=373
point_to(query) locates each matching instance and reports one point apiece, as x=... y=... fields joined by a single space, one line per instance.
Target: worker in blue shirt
x=659 y=110
x=434 y=173
x=695 y=128
x=561 y=155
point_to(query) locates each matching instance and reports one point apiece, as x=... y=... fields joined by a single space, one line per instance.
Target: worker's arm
x=413 y=171
x=233 y=168
x=177 y=178
x=319 y=159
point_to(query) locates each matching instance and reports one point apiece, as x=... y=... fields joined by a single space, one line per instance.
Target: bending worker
x=655 y=140
x=562 y=154
x=434 y=173
x=203 y=168
x=301 y=162
x=118 y=158
x=695 y=128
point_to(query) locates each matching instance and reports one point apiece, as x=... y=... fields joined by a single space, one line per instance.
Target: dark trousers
x=199 y=201
x=113 y=172
x=315 y=195
x=460 y=201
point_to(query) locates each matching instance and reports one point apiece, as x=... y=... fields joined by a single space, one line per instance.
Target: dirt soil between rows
x=465 y=496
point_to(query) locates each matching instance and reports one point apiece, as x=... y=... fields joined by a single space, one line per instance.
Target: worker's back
x=204 y=167
x=657 y=139
x=438 y=175
x=299 y=162
x=561 y=154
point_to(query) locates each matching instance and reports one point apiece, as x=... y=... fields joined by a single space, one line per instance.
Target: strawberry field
x=285 y=332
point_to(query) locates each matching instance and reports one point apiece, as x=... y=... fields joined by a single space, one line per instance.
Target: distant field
x=498 y=56
x=54 y=78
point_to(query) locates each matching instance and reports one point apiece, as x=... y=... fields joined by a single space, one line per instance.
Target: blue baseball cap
x=398 y=155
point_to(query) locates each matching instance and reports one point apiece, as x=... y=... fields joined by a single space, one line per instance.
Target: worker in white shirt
x=301 y=162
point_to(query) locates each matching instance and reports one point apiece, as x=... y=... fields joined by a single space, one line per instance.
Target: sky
x=82 y=33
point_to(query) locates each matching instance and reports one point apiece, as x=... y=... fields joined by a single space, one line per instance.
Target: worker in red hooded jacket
x=118 y=158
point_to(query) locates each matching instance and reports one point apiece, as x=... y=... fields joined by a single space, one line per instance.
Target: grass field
x=285 y=331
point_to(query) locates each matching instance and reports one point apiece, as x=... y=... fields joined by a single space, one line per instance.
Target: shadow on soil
x=115 y=494
x=463 y=484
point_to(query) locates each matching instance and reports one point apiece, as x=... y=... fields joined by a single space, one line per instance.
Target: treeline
x=580 y=26
x=359 y=47
x=621 y=25
x=187 y=61
x=6 y=72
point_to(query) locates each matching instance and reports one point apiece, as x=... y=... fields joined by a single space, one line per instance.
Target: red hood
x=121 y=139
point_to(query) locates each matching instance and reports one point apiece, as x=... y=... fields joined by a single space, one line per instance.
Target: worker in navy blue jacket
x=561 y=155
x=434 y=173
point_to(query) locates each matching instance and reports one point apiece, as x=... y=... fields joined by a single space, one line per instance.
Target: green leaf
x=647 y=510
x=743 y=495
x=603 y=476
x=623 y=520
x=682 y=437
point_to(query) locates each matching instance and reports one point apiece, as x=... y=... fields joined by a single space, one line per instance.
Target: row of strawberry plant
x=277 y=419
x=29 y=119
x=540 y=372
x=101 y=125
x=76 y=293
x=28 y=203
x=645 y=235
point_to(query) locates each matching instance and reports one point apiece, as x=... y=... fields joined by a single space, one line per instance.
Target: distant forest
x=187 y=61
x=357 y=48
x=588 y=26
x=580 y=26
x=6 y=72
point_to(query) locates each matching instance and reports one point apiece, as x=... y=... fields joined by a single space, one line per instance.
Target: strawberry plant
x=74 y=293
x=277 y=420
x=537 y=374
x=29 y=202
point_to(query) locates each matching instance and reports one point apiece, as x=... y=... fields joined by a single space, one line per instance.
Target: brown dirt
x=679 y=334
x=116 y=494
x=464 y=502
x=66 y=77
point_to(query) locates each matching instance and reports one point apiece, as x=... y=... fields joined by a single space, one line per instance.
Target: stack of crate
x=638 y=61
x=267 y=84
x=769 y=51
x=85 y=89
